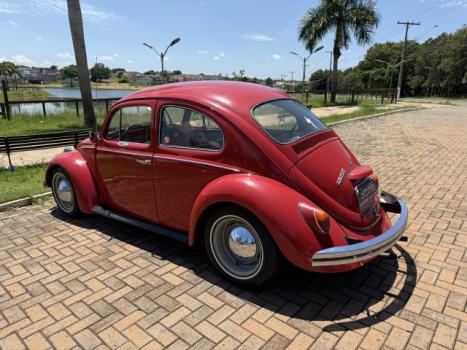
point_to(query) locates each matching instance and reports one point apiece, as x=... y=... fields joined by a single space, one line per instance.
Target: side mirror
x=93 y=136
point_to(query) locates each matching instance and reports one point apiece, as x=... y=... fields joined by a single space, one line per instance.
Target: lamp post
x=389 y=65
x=162 y=54
x=305 y=59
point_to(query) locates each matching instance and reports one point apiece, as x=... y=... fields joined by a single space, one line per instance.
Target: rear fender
x=276 y=206
x=77 y=169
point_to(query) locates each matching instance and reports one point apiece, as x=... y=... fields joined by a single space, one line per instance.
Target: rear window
x=286 y=120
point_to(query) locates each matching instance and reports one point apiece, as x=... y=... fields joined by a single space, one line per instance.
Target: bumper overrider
x=364 y=250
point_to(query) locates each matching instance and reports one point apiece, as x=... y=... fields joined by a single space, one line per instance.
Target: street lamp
x=162 y=54
x=392 y=66
x=305 y=59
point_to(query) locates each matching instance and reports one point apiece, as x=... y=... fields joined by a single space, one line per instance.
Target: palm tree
x=7 y=69
x=345 y=17
x=77 y=34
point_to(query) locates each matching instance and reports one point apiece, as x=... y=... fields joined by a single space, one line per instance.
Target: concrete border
x=402 y=110
x=22 y=202
x=30 y=200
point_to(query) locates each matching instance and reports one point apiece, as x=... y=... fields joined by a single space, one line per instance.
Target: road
x=92 y=283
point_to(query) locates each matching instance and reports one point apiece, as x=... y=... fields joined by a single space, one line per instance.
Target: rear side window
x=186 y=128
x=286 y=121
x=131 y=124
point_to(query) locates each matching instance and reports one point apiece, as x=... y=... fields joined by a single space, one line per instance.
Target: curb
x=22 y=202
x=403 y=110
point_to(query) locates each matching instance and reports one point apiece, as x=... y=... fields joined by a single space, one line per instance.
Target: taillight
x=316 y=218
x=375 y=177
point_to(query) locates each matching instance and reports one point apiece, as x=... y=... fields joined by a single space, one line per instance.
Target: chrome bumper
x=361 y=251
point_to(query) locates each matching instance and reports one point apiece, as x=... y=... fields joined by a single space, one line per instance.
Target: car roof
x=233 y=96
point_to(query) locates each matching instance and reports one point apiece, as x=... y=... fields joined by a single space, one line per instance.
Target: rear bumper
x=349 y=254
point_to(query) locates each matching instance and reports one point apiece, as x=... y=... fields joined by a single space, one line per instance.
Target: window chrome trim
x=185 y=147
x=197 y=162
x=281 y=99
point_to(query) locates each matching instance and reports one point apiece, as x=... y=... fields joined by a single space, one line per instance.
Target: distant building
x=38 y=75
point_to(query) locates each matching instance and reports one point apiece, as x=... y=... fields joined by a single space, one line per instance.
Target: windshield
x=286 y=120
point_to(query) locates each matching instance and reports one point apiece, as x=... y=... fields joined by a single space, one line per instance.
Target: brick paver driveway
x=93 y=283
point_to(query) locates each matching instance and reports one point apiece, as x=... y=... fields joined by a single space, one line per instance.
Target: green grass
x=36 y=124
x=26 y=95
x=364 y=111
x=316 y=101
x=23 y=182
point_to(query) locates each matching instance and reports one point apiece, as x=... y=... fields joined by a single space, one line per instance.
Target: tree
x=269 y=81
x=318 y=79
x=100 y=71
x=69 y=72
x=345 y=17
x=7 y=69
x=77 y=34
x=53 y=67
x=177 y=72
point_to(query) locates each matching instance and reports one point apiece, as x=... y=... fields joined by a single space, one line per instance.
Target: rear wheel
x=240 y=247
x=64 y=193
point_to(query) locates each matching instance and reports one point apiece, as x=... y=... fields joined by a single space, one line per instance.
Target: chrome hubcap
x=242 y=243
x=236 y=247
x=63 y=192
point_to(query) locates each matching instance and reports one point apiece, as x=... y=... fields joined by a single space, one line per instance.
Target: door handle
x=143 y=161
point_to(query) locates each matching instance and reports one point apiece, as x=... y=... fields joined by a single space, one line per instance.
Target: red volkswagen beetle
x=244 y=168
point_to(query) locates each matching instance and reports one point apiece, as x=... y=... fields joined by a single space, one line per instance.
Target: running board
x=179 y=236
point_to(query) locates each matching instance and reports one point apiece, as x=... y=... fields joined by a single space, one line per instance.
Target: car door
x=189 y=153
x=124 y=160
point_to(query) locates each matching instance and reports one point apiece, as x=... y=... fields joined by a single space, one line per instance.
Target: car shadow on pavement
x=351 y=300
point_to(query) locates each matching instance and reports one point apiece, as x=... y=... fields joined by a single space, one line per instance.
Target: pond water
x=60 y=107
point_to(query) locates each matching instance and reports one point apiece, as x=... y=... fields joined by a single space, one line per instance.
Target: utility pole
x=401 y=68
x=293 y=85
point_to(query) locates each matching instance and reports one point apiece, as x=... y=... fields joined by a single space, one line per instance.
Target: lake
x=59 y=107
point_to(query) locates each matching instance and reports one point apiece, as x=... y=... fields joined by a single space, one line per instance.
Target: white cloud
x=6 y=7
x=47 y=63
x=116 y=55
x=453 y=3
x=64 y=56
x=41 y=39
x=202 y=52
x=257 y=37
x=21 y=59
x=12 y=23
x=105 y=58
x=130 y=61
x=90 y=12
x=3 y=59
x=220 y=56
x=276 y=57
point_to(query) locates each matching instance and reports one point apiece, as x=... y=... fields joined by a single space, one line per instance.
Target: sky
x=217 y=36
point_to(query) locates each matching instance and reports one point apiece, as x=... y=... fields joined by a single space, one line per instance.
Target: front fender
x=276 y=206
x=77 y=169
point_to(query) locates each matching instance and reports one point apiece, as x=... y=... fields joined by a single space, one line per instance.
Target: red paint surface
x=251 y=170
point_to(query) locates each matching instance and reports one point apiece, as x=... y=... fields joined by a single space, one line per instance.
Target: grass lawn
x=26 y=95
x=23 y=182
x=35 y=124
x=362 y=112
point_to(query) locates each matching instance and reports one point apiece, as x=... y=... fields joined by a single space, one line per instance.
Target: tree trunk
x=77 y=35
x=336 y=54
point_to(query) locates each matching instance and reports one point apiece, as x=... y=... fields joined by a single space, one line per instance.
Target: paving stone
x=94 y=283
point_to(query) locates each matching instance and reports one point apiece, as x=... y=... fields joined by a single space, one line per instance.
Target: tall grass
x=25 y=95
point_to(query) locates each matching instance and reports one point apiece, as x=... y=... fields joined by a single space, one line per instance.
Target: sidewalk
x=44 y=155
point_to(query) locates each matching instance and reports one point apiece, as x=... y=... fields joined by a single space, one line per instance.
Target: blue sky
x=217 y=36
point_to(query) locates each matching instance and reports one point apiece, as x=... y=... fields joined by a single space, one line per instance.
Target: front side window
x=286 y=120
x=131 y=124
x=186 y=128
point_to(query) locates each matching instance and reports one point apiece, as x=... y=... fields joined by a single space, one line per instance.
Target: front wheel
x=64 y=193
x=240 y=247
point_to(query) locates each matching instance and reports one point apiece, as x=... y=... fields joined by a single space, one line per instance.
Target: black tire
x=68 y=207
x=258 y=264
